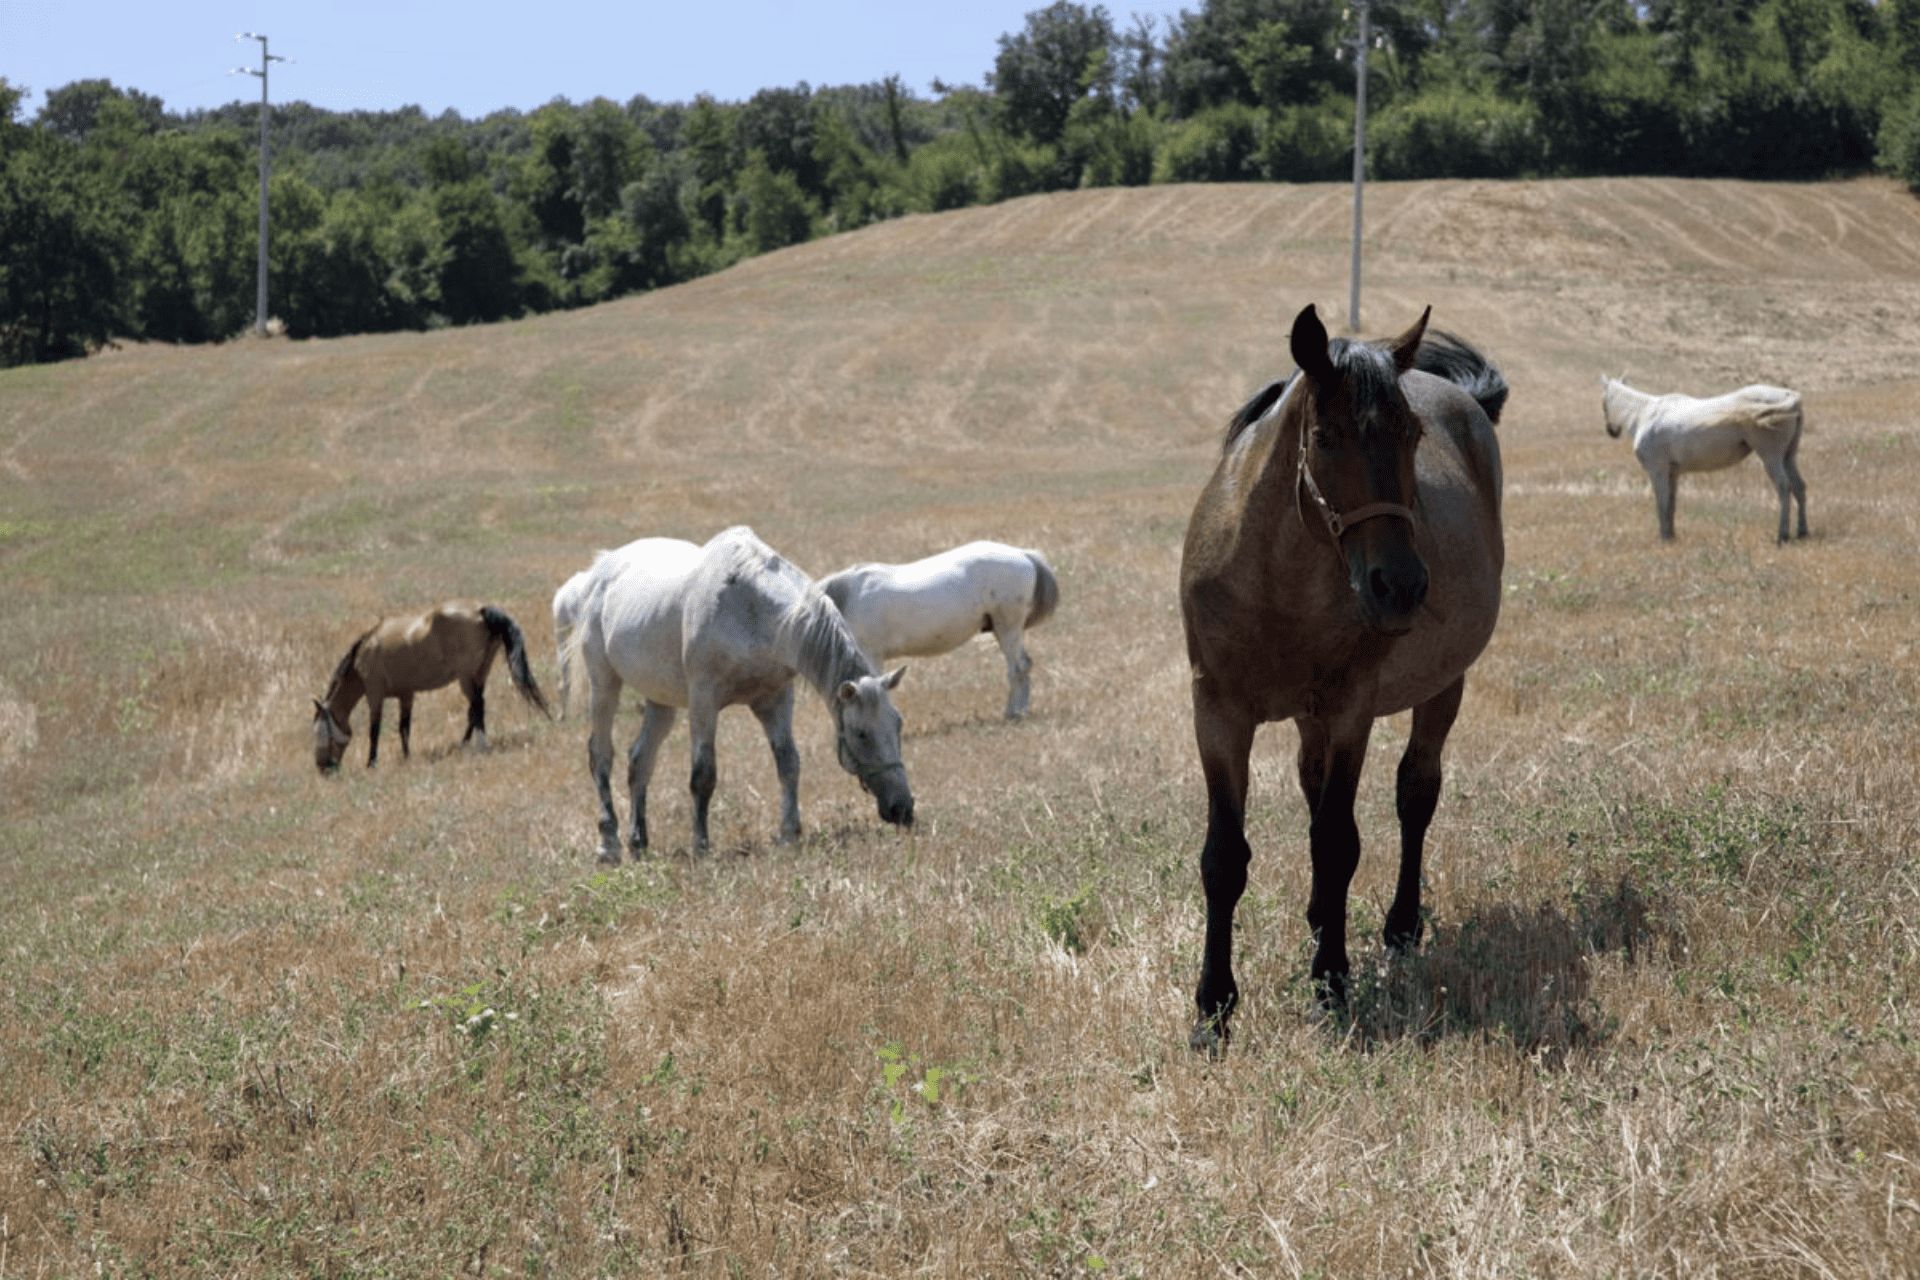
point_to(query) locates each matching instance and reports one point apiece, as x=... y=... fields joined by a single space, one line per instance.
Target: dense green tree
x=1064 y=55
x=779 y=125
x=63 y=252
x=478 y=267
x=1212 y=55
x=775 y=210
x=195 y=246
x=73 y=111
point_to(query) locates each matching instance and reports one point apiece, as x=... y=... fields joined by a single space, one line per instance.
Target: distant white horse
x=935 y=605
x=711 y=627
x=1676 y=433
x=566 y=609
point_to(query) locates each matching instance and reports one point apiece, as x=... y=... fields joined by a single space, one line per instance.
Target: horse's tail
x=1046 y=590
x=1449 y=356
x=507 y=632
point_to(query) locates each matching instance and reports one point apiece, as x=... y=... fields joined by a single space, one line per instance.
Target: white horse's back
x=633 y=616
x=933 y=606
x=1677 y=433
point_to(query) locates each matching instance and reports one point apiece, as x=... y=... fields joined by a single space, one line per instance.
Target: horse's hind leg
x=1791 y=464
x=476 y=713
x=1417 y=796
x=702 y=723
x=606 y=700
x=656 y=721
x=1019 y=666
x=776 y=718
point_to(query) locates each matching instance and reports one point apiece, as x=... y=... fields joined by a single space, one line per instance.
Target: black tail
x=1448 y=356
x=504 y=629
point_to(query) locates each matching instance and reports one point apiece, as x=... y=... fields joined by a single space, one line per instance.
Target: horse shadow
x=1507 y=974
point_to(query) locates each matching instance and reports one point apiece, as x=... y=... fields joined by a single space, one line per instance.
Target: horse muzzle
x=898 y=811
x=1390 y=592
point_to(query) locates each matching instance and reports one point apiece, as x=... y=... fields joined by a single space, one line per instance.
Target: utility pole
x=1359 y=159
x=260 y=307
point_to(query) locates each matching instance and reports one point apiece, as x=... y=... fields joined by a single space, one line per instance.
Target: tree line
x=121 y=219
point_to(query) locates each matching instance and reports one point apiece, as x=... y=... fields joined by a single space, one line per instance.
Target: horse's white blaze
x=935 y=605
x=1676 y=433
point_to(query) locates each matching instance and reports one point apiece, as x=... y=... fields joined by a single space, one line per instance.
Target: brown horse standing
x=413 y=653
x=1343 y=563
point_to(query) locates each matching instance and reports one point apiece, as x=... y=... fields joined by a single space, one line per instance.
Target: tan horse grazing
x=414 y=653
x=1342 y=564
x=1675 y=433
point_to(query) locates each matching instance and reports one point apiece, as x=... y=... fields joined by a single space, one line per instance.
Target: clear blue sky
x=477 y=56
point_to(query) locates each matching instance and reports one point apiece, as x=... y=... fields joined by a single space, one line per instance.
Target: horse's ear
x=847 y=692
x=893 y=678
x=1407 y=345
x=1309 y=346
x=319 y=709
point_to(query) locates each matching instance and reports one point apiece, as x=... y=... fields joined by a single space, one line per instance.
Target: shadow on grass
x=1506 y=974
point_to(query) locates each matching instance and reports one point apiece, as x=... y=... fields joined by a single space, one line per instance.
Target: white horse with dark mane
x=710 y=627
x=566 y=610
x=934 y=606
x=1675 y=433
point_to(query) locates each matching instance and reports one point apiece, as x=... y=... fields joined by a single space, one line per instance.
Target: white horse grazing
x=1676 y=433
x=711 y=627
x=935 y=605
x=566 y=609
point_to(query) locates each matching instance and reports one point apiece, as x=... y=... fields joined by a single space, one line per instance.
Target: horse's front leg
x=1416 y=796
x=1225 y=737
x=1666 y=496
x=406 y=726
x=1333 y=752
x=374 y=705
x=656 y=721
x=703 y=723
x=776 y=718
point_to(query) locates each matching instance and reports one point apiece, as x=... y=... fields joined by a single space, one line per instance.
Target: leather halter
x=1337 y=523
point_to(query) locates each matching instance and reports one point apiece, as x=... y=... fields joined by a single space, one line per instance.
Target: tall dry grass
x=258 y=1022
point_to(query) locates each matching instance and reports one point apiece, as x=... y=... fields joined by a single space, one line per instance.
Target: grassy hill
x=257 y=1021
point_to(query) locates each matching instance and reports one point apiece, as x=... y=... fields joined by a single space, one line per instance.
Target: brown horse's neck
x=1279 y=486
x=346 y=691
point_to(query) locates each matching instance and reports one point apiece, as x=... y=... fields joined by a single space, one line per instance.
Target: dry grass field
x=257 y=1022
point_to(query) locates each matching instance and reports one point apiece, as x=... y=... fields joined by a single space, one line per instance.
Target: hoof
x=1210 y=1036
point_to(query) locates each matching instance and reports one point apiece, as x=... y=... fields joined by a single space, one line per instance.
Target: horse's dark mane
x=1255 y=409
x=1449 y=356
x=1445 y=355
x=346 y=665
